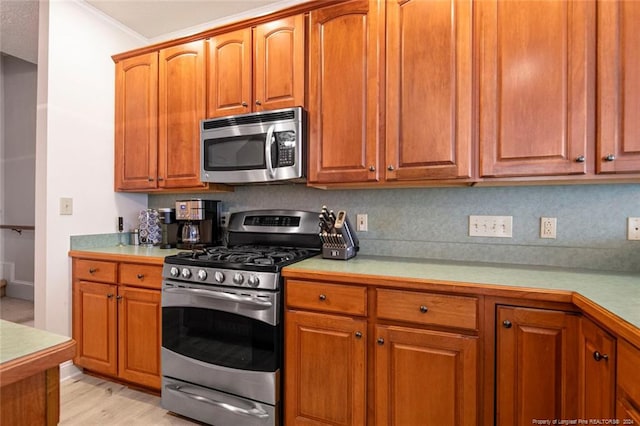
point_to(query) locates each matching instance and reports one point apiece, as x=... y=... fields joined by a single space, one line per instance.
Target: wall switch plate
x=362 y=224
x=491 y=226
x=633 y=228
x=66 y=206
x=548 y=226
x=224 y=219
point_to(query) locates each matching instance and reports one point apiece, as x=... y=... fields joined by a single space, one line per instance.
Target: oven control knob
x=174 y=271
x=202 y=275
x=254 y=281
x=218 y=276
x=186 y=273
x=238 y=278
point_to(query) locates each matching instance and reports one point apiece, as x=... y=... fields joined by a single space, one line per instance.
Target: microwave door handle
x=267 y=152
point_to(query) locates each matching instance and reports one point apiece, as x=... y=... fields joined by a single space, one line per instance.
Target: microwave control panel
x=286 y=148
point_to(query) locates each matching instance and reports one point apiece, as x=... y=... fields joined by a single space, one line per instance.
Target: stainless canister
x=134 y=239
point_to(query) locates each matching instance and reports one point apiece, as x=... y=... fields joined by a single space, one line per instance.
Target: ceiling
x=150 y=18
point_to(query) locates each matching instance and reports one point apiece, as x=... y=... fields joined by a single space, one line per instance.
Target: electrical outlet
x=548 y=227
x=633 y=228
x=491 y=226
x=362 y=222
x=224 y=219
x=66 y=206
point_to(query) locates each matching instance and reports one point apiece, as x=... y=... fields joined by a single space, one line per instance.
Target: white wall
x=75 y=146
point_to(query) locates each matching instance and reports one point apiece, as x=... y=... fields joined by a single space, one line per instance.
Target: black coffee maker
x=198 y=223
x=169 y=227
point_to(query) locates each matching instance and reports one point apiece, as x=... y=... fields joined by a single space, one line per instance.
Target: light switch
x=66 y=206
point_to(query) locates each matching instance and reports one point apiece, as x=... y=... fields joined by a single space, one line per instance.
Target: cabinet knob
x=610 y=157
x=258 y=103
x=372 y=169
x=110 y=296
x=140 y=276
x=580 y=159
x=423 y=309
x=118 y=297
x=150 y=179
x=390 y=167
x=506 y=324
x=598 y=356
x=380 y=341
x=322 y=297
x=244 y=104
x=160 y=178
x=358 y=334
x=92 y=270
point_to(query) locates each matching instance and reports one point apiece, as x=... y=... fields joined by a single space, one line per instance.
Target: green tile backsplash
x=433 y=222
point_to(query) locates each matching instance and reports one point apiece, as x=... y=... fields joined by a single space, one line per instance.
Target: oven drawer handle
x=221 y=296
x=253 y=412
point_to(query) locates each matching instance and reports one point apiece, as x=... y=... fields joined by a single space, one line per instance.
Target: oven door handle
x=252 y=412
x=247 y=300
x=268 y=146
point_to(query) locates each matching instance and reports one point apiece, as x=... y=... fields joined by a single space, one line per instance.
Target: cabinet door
x=429 y=89
x=279 y=64
x=230 y=76
x=344 y=86
x=94 y=326
x=597 y=367
x=181 y=107
x=325 y=380
x=536 y=365
x=136 y=123
x=425 y=377
x=618 y=87
x=536 y=91
x=139 y=331
x=628 y=377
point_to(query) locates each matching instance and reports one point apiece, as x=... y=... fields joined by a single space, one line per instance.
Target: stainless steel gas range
x=222 y=310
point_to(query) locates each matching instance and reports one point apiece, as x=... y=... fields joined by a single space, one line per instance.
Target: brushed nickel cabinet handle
x=258 y=103
x=140 y=276
x=610 y=157
x=92 y=271
x=358 y=334
x=380 y=341
x=390 y=167
x=244 y=104
x=372 y=169
x=119 y=297
x=580 y=159
x=506 y=324
x=322 y=297
x=423 y=309
x=598 y=356
x=110 y=296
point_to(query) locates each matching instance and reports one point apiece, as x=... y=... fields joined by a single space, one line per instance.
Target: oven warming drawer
x=213 y=407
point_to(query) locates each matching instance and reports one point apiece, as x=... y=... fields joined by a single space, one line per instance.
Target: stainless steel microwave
x=257 y=147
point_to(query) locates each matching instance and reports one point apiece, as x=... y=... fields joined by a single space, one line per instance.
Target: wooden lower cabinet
x=425 y=377
x=536 y=365
x=597 y=372
x=118 y=327
x=628 y=383
x=325 y=379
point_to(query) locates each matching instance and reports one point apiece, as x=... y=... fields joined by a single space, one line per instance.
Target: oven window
x=221 y=338
x=235 y=153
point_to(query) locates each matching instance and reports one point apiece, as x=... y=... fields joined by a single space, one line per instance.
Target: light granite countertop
x=152 y=254
x=17 y=340
x=618 y=293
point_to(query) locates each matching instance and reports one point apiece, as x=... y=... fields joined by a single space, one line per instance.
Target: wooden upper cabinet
x=344 y=88
x=536 y=63
x=429 y=89
x=260 y=72
x=230 y=76
x=181 y=107
x=618 y=87
x=279 y=71
x=136 y=123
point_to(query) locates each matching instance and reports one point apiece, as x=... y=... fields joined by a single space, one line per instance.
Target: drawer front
x=95 y=270
x=427 y=308
x=338 y=298
x=134 y=274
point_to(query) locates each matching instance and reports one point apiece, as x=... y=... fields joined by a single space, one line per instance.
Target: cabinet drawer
x=327 y=297
x=95 y=270
x=427 y=308
x=138 y=275
x=628 y=370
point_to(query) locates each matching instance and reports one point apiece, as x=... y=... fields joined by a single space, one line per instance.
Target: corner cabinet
x=117 y=319
x=536 y=365
x=256 y=69
x=536 y=96
x=160 y=100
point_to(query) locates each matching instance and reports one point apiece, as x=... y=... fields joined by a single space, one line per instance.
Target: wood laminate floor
x=87 y=400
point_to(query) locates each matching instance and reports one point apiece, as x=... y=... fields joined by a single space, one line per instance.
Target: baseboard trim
x=68 y=370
